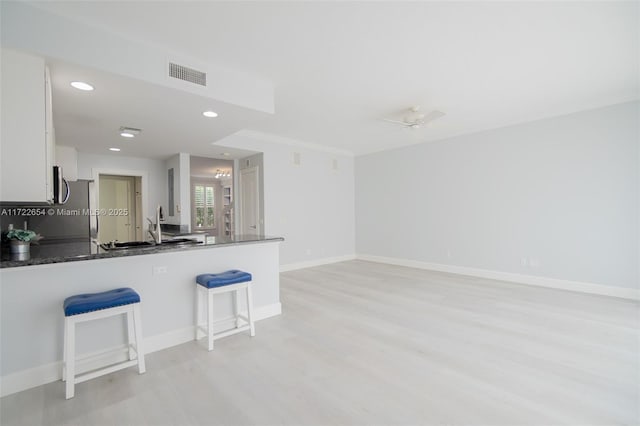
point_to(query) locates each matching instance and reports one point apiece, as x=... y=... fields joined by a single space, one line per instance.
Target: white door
x=117 y=205
x=250 y=201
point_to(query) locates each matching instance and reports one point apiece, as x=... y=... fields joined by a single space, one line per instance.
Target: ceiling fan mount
x=414 y=119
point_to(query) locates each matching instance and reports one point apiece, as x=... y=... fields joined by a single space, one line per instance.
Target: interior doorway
x=250 y=201
x=203 y=211
x=212 y=196
x=120 y=202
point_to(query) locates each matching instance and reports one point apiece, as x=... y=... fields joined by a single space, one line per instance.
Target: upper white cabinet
x=26 y=135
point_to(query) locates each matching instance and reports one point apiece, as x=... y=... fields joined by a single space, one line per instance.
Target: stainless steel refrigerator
x=73 y=221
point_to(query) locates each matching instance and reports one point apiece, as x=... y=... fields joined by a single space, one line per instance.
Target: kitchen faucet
x=155 y=230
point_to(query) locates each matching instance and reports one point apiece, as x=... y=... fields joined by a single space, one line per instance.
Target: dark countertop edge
x=13 y=264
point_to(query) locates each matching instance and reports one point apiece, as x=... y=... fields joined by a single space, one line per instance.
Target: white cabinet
x=50 y=139
x=26 y=135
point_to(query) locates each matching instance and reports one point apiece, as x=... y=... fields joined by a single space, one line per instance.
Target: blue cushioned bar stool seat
x=93 y=306
x=83 y=303
x=230 y=281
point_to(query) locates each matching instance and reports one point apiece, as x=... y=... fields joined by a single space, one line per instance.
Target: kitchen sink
x=147 y=244
x=180 y=241
x=126 y=245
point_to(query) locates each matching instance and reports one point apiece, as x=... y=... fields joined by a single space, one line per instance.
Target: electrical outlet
x=524 y=262
x=308 y=252
x=448 y=253
x=534 y=262
x=158 y=270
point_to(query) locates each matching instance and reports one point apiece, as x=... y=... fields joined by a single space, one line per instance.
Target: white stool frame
x=207 y=294
x=134 y=345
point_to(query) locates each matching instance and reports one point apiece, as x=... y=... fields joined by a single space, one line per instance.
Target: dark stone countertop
x=77 y=250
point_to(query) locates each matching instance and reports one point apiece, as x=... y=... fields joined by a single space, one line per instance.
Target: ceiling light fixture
x=81 y=85
x=129 y=132
x=222 y=173
x=226 y=154
x=210 y=114
x=114 y=149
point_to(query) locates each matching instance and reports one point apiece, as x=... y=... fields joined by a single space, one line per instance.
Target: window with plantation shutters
x=203 y=205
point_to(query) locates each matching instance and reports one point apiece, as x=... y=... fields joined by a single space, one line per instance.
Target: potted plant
x=20 y=240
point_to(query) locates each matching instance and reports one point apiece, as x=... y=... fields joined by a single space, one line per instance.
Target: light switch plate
x=158 y=270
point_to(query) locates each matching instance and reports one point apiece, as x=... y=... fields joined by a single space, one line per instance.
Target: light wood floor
x=364 y=343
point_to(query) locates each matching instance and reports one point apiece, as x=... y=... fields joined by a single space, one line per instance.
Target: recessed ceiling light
x=129 y=132
x=226 y=154
x=81 y=85
x=114 y=149
x=210 y=114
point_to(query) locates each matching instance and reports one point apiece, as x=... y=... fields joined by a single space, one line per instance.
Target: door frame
x=133 y=224
x=144 y=183
x=239 y=196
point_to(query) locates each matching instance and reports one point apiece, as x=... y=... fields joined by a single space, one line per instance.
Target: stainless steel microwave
x=61 y=190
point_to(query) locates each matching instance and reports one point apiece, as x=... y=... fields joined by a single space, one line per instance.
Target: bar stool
x=93 y=306
x=230 y=281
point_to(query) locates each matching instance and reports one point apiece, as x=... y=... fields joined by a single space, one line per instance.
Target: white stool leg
x=250 y=309
x=71 y=357
x=130 y=334
x=137 y=319
x=64 y=352
x=236 y=298
x=210 y=319
x=198 y=310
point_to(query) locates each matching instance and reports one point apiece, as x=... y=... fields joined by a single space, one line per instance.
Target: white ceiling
x=207 y=167
x=171 y=120
x=339 y=67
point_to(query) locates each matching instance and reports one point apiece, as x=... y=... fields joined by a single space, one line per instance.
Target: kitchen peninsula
x=32 y=292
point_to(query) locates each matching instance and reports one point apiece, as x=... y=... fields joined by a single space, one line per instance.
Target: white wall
x=157 y=175
x=562 y=192
x=310 y=205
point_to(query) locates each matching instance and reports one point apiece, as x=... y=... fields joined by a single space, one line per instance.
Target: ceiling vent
x=187 y=74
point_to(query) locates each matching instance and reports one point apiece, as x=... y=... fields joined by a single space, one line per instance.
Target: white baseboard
x=52 y=372
x=268 y=311
x=582 y=287
x=316 y=262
